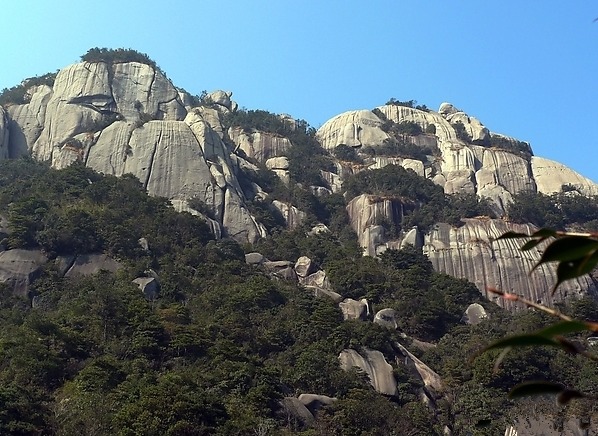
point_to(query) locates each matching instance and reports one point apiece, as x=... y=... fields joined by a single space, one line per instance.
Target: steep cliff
x=129 y=118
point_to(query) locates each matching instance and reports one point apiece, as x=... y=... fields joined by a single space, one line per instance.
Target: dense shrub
x=461 y=132
x=18 y=94
x=408 y=103
x=520 y=148
x=556 y=211
x=118 y=56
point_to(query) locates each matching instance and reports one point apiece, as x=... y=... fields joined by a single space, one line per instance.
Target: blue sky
x=528 y=69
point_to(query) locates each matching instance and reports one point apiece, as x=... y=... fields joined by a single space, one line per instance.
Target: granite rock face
x=19 y=268
x=129 y=118
x=550 y=176
x=373 y=363
x=473 y=253
x=355 y=129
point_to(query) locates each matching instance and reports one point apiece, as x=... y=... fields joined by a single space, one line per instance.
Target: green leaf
x=521 y=341
x=544 y=233
x=569 y=248
x=563 y=328
x=527 y=389
x=531 y=244
x=513 y=235
x=573 y=269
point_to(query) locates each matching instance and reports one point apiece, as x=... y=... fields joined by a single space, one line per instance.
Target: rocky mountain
x=278 y=209
x=127 y=117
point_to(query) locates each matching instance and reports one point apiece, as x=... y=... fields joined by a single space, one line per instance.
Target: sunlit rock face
x=373 y=363
x=354 y=128
x=551 y=176
x=473 y=253
x=129 y=118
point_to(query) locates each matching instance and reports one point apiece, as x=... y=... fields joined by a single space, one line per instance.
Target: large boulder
x=304 y=266
x=387 y=318
x=474 y=314
x=149 y=286
x=314 y=402
x=19 y=268
x=353 y=309
x=373 y=363
x=87 y=264
x=129 y=118
x=259 y=145
x=354 y=128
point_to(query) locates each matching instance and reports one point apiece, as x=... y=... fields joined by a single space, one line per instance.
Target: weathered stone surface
x=149 y=286
x=304 y=266
x=19 y=268
x=432 y=381
x=333 y=180
x=27 y=121
x=354 y=128
x=293 y=217
x=287 y=273
x=474 y=314
x=223 y=98
x=4 y=134
x=254 y=258
x=471 y=252
x=317 y=279
x=258 y=145
x=550 y=176
x=318 y=229
x=294 y=407
x=88 y=264
x=413 y=237
x=409 y=164
x=314 y=402
x=387 y=318
x=367 y=211
x=473 y=127
x=353 y=309
x=138 y=88
x=278 y=163
x=371 y=362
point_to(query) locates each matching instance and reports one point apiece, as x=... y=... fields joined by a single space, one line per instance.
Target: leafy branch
x=576 y=254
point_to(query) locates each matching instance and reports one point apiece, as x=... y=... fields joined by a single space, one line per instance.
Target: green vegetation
x=347 y=154
x=306 y=157
x=118 y=56
x=18 y=94
x=424 y=202
x=409 y=103
x=557 y=211
x=401 y=148
x=461 y=132
x=224 y=343
x=575 y=255
x=519 y=148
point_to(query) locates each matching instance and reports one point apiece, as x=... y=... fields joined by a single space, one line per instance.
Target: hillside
x=247 y=311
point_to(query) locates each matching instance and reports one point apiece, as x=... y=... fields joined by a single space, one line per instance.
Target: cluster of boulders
x=371 y=362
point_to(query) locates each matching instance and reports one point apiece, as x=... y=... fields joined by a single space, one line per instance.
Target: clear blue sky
x=527 y=69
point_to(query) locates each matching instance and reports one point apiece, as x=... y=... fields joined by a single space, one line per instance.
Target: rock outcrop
x=373 y=363
x=19 y=268
x=355 y=129
x=474 y=314
x=129 y=118
x=550 y=176
x=473 y=253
